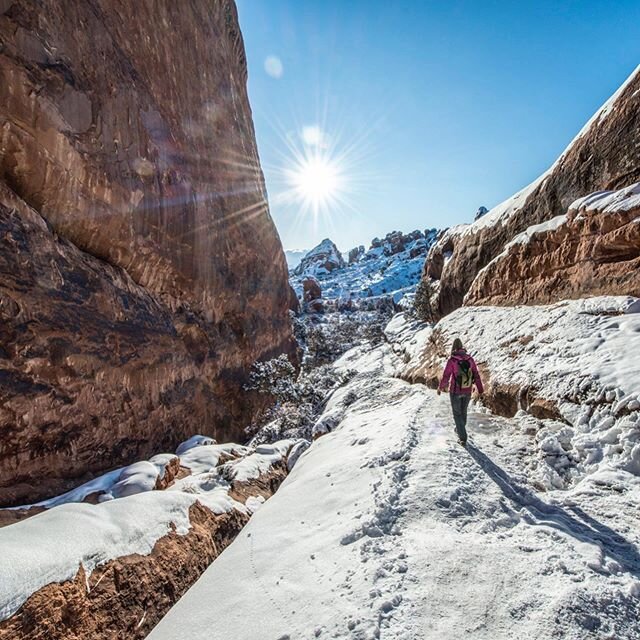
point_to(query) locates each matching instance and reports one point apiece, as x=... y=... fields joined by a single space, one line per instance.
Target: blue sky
x=434 y=108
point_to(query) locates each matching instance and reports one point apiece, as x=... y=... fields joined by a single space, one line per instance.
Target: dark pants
x=460 y=404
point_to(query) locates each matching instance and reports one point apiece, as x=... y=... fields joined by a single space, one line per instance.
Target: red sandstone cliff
x=140 y=272
x=593 y=250
x=605 y=155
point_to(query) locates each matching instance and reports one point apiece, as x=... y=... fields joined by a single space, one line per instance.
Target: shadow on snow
x=573 y=521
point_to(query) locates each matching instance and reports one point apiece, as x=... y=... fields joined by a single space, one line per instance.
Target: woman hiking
x=460 y=375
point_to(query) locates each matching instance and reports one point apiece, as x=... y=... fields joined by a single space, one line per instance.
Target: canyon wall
x=141 y=273
x=593 y=250
x=604 y=155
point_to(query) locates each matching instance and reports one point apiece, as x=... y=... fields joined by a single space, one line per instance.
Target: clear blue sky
x=439 y=107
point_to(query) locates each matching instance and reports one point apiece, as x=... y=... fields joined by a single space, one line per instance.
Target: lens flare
x=315 y=180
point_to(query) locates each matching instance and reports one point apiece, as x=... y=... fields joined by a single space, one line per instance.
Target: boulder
x=311 y=289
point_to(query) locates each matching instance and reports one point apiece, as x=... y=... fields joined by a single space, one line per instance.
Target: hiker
x=460 y=375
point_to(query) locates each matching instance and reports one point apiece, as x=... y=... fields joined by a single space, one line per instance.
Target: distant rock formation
x=141 y=273
x=322 y=259
x=378 y=278
x=480 y=212
x=355 y=254
x=604 y=156
x=312 y=295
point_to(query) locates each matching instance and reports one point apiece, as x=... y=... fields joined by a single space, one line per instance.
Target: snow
x=543 y=227
x=376 y=274
x=205 y=458
x=387 y=529
x=257 y=463
x=194 y=441
x=581 y=355
x=610 y=201
x=316 y=261
x=130 y=518
x=50 y=547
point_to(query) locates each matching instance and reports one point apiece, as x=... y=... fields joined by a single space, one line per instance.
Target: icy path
x=388 y=529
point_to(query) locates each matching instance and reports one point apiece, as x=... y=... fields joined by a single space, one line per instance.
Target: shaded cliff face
x=131 y=316
x=605 y=155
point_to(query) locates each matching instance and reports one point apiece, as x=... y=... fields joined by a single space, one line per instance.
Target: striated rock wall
x=605 y=155
x=589 y=252
x=141 y=273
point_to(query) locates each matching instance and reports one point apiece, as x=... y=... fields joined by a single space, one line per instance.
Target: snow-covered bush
x=298 y=402
x=274 y=377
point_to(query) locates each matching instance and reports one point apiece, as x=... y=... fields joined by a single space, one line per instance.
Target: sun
x=316 y=180
x=320 y=174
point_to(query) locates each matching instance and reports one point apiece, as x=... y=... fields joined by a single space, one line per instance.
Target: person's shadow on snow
x=577 y=523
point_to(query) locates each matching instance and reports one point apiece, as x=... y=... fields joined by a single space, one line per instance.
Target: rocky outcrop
x=141 y=273
x=356 y=253
x=131 y=570
x=593 y=250
x=126 y=597
x=312 y=295
x=322 y=259
x=603 y=156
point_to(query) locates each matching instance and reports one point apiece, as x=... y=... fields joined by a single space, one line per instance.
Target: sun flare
x=321 y=173
x=316 y=180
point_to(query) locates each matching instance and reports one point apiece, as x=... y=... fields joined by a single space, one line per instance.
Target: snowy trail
x=387 y=528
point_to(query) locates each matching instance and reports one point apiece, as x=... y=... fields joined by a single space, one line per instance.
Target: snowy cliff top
x=503 y=211
x=610 y=201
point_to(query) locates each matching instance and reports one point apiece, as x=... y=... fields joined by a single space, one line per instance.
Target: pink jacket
x=451 y=372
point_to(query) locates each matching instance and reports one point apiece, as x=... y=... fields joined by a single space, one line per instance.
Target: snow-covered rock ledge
x=570 y=370
x=119 y=550
x=593 y=250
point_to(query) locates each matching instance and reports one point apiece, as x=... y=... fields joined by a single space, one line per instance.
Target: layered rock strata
x=604 y=156
x=593 y=250
x=126 y=595
x=141 y=273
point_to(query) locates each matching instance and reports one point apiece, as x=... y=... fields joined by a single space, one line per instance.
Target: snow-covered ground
x=582 y=356
x=130 y=517
x=387 y=529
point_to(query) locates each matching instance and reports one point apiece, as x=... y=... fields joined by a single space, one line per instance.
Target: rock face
x=322 y=259
x=594 y=250
x=603 y=156
x=122 y=560
x=126 y=597
x=356 y=253
x=141 y=273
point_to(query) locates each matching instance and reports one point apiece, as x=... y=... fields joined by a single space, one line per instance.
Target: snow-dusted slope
x=386 y=529
x=385 y=270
